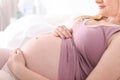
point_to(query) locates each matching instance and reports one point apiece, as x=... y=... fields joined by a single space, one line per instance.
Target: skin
x=108 y=66
x=110 y=7
x=111 y=10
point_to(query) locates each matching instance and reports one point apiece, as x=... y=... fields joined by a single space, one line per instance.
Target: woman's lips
x=101 y=7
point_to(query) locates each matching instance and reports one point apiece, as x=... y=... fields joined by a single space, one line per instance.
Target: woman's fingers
x=68 y=31
x=17 y=56
x=19 y=51
x=62 y=32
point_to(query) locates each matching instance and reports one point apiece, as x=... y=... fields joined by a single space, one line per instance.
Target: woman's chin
x=103 y=13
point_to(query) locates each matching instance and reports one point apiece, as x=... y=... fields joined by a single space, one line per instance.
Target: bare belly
x=42 y=55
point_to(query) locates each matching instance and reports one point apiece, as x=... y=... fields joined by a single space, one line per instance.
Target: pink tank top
x=81 y=53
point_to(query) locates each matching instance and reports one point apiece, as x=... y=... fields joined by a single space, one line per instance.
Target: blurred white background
x=59 y=7
x=15 y=9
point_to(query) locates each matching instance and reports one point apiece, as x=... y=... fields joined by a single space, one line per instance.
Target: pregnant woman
x=89 y=51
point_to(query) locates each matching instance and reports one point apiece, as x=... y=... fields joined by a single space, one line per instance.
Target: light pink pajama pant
x=5 y=73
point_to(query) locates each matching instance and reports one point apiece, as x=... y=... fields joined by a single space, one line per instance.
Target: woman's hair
x=95 y=17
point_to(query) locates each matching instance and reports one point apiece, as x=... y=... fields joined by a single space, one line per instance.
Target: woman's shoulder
x=115 y=36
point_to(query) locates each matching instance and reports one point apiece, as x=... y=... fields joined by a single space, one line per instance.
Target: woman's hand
x=16 y=61
x=62 y=32
x=16 y=64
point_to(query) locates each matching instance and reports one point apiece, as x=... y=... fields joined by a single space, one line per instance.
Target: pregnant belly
x=42 y=53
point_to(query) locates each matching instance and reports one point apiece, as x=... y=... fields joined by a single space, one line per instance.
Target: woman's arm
x=27 y=74
x=16 y=64
x=108 y=67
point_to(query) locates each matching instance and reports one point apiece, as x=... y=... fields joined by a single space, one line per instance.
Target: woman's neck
x=113 y=20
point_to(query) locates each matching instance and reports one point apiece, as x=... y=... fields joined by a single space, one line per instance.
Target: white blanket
x=22 y=30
